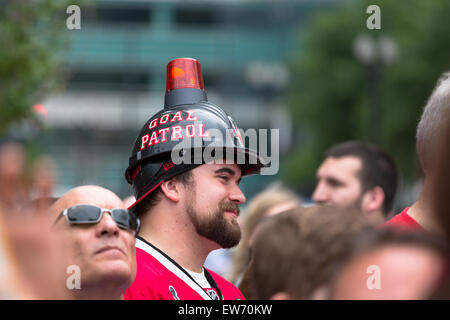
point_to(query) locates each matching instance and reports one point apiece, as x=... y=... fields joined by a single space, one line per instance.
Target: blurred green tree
x=33 y=34
x=333 y=97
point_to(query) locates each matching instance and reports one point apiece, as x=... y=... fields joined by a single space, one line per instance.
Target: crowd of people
x=90 y=244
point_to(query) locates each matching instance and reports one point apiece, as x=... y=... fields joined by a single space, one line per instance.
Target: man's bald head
x=89 y=194
x=434 y=120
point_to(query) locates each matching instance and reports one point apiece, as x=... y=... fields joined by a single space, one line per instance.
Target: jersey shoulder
x=154 y=281
x=151 y=279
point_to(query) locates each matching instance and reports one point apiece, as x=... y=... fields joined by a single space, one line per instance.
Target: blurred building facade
x=116 y=67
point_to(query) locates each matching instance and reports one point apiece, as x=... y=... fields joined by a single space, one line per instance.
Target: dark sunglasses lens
x=135 y=222
x=83 y=214
x=125 y=219
x=122 y=217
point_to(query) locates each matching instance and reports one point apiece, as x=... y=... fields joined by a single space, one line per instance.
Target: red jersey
x=158 y=277
x=403 y=220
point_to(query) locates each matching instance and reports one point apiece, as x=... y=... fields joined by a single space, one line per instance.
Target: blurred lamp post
x=374 y=54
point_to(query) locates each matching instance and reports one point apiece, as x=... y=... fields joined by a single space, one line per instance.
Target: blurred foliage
x=329 y=95
x=33 y=35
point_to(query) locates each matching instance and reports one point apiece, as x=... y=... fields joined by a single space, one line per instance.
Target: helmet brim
x=249 y=161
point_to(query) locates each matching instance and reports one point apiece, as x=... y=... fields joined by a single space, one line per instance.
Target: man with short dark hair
x=358 y=175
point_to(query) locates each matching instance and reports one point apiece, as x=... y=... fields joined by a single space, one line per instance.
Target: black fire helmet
x=186 y=126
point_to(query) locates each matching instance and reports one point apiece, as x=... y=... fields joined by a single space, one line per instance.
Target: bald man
x=98 y=234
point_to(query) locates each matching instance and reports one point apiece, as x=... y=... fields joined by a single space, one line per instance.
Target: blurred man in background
x=98 y=236
x=360 y=176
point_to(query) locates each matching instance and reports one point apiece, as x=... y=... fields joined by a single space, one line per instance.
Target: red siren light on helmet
x=184 y=83
x=184 y=73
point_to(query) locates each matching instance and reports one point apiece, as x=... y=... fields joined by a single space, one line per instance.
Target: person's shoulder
x=151 y=270
x=152 y=278
x=229 y=290
x=402 y=220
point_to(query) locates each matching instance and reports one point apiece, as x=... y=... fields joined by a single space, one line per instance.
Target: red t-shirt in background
x=403 y=220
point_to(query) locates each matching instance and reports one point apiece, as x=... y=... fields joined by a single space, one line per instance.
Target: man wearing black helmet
x=187 y=208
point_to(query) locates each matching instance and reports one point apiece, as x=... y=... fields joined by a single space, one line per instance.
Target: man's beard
x=215 y=226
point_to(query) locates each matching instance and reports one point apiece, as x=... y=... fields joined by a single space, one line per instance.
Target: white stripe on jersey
x=172 y=267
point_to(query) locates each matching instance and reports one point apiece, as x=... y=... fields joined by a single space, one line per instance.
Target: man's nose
x=237 y=195
x=320 y=194
x=107 y=225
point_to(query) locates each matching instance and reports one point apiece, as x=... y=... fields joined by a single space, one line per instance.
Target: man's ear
x=171 y=189
x=373 y=200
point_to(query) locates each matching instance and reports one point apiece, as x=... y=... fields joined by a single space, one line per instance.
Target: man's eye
x=225 y=178
x=334 y=183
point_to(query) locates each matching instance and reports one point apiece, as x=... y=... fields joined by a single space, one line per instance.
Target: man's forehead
x=342 y=166
x=223 y=167
x=92 y=195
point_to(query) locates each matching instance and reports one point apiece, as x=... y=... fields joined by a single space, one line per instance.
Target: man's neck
x=177 y=238
x=423 y=210
x=106 y=290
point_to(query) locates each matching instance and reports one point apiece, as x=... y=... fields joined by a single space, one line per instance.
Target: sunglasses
x=90 y=214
